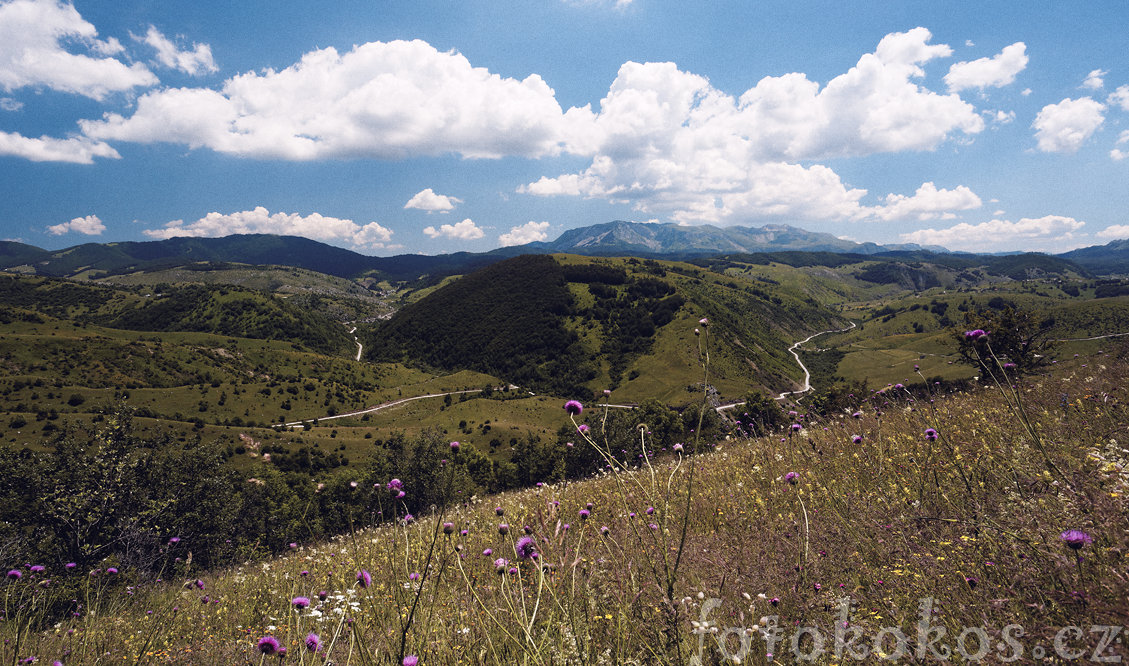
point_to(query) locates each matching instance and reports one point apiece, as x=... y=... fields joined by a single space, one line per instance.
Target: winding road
x=383 y=405
x=795 y=355
x=353 y=332
x=386 y=405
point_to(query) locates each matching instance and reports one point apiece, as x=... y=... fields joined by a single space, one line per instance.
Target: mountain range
x=617 y=238
x=647 y=239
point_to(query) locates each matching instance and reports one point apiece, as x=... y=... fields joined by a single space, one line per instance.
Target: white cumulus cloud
x=76 y=150
x=1120 y=97
x=666 y=141
x=999 y=70
x=380 y=99
x=430 y=201
x=999 y=117
x=526 y=233
x=1114 y=231
x=261 y=221
x=89 y=225
x=929 y=203
x=1051 y=232
x=1118 y=154
x=48 y=43
x=1064 y=127
x=195 y=61
x=9 y=104
x=465 y=230
x=1094 y=80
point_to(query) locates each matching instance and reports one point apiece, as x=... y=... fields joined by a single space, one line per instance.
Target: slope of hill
x=1109 y=259
x=506 y=319
x=220 y=310
x=993 y=521
x=18 y=254
x=231 y=311
x=576 y=325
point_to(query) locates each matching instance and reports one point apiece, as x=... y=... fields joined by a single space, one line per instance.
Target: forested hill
x=231 y=311
x=507 y=320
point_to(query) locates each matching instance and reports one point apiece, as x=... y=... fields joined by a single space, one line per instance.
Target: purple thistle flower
x=454 y=446
x=504 y=529
x=395 y=484
x=37 y=568
x=313 y=642
x=526 y=548
x=604 y=530
x=584 y=513
x=488 y=552
x=791 y=477
x=930 y=434
x=268 y=645
x=199 y=584
x=500 y=565
x=111 y=570
x=410 y=660
x=300 y=602
x=323 y=595
x=975 y=334
x=574 y=407
x=499 y=511
x=448 y=528
x=15 y=574
x=583 y=427
x=796 y=427
x=174 y=540
x=678 y=447
x=857 y=439
x=70 y=565
x=857 y=415
x=1074 y=539
x=364 y=578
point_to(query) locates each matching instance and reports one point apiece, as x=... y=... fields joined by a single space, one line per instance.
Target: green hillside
x=575 y=326
x=230 y=311
x=506 y=320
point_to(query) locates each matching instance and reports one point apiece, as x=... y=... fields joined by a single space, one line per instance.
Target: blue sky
x=431 y=127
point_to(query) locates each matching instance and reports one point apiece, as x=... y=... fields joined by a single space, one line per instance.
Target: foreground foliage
x=1004 y=505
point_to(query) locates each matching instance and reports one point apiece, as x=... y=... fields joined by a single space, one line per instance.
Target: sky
x=419 y=126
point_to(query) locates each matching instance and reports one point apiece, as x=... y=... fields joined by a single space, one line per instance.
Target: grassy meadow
x=977 y=526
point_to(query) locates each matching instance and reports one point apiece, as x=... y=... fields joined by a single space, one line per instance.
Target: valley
x=251 y=408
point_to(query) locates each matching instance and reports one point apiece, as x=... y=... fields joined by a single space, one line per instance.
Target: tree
x=759 y=414
x=1008 y=339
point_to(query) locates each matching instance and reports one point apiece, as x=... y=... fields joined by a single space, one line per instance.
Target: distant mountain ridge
x=646 y=239
x=617 y=238
x=1109 y=259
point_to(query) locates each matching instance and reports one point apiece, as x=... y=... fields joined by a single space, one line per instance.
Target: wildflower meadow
x=918 y=524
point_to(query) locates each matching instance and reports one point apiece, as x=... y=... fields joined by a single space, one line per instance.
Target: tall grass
x=948 y=506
